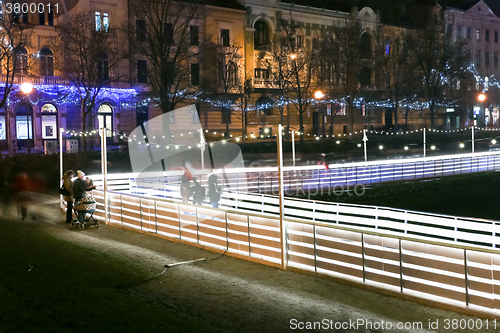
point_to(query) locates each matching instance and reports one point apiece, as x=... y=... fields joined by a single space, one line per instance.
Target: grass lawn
x=473 y=195
x=73 y=289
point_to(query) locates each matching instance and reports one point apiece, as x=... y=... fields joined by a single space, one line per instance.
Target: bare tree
x=393 y=60
x=439 y=58
x=299 y=70
x=168 y=38
x=223 y=69
x=277 y=58
x=343 y=50
x=15 y=36
x=89 y=58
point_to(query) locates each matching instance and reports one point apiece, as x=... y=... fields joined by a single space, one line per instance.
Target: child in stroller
x=84 y=203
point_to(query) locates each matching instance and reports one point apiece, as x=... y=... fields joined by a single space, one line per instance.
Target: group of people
x=77 y=190
x=198 y=192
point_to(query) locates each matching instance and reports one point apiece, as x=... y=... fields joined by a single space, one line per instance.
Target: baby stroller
x=83 y=207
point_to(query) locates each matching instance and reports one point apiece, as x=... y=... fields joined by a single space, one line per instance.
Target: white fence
x=316 y=178
x=463 y=276
x=392 y=221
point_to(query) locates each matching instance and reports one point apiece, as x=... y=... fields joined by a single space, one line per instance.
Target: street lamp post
x=318 y=94
x=26 y=89
x=481 y=98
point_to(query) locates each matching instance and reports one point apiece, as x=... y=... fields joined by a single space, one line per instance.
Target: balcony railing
x=264 y=83
x=18 y=79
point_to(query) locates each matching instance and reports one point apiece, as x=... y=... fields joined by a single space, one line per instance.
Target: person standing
x=68 y=185
x=214 y=191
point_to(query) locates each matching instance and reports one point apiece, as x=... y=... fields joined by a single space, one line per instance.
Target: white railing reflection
x=315 y=178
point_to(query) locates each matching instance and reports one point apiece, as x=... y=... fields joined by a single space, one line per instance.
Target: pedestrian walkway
x=235 y=295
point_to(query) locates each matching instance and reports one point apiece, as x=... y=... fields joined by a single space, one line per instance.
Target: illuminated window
x=24 y=123
x=105 y=22
x=98 y=21
x=105 y=119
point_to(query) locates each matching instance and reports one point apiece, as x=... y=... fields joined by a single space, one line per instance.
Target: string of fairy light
x=144 y=140
x=60 y=94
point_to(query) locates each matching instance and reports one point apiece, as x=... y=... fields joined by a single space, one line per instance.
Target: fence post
x=363 y=256
x=406 y=222
x=315 y=249
x=376 y=217
x=121 y=206
x=455 y=229
x=494 y=233
x=140 y=209
x=179 y=215
x=197 y=226
x=263 y=203
x=338 y=207
x=466 y=274
x=401 y=265
x=227 y=234
x=156 y=216
x=249 y=237
x=314 y=210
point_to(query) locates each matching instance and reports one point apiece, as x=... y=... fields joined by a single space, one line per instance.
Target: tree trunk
x=10 y=140
x=396 y=103
x=83 y=138
x=301 y=127
x=432 y=107
x=350 y=116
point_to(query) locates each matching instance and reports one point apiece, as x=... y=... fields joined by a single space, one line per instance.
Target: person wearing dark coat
x=198 y=193
x=214 y=191
x=79 y=186
x=68 y=185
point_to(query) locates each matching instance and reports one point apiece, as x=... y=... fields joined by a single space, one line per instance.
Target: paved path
x=239 y=296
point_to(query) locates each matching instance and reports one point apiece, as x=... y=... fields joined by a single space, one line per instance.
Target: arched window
x=49 y=121
x=103 y=67
x=21 y=63
x=300 y=39
x=46 y=62
x=366 y=46
x=105 y=119
x=261 y=34
x=232 y=74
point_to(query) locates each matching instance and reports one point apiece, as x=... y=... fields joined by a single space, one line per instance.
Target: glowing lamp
x=481 y=97
x=26 y=87
x=318 y=94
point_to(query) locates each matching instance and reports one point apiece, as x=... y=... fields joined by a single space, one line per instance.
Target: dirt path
x=238 y=296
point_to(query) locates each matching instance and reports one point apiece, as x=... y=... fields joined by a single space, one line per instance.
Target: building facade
x=245 y=30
